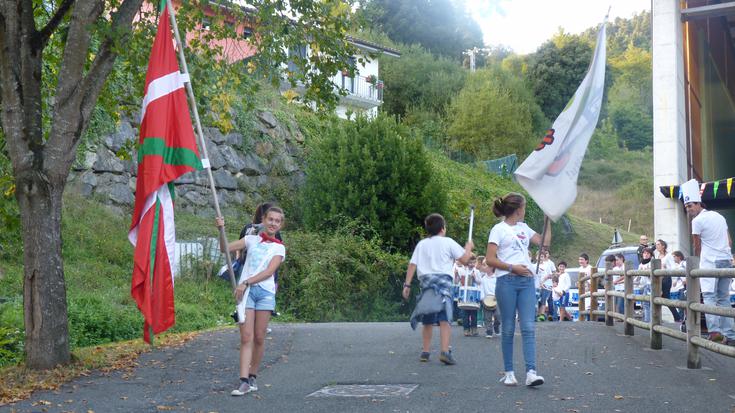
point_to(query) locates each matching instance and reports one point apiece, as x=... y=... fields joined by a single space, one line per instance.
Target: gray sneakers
x=446 y=358
x=246 y=387
x=243 y=389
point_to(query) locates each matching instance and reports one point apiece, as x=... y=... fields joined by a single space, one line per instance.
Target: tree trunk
x=44 y=291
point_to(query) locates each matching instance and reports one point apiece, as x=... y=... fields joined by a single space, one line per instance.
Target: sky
x=524 y=25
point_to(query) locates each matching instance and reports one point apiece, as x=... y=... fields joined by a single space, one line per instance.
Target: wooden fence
x=692 y=306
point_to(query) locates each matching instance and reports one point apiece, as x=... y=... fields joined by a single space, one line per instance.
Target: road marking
x=365 y=390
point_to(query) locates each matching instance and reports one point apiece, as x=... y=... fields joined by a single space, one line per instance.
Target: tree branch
x=77 y=93
x=44 y=34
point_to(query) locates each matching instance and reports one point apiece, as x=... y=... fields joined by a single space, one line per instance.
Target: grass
x=97 y=267
x=618 y=191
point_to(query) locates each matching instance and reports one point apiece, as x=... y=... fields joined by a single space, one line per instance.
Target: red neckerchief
x=267 y=238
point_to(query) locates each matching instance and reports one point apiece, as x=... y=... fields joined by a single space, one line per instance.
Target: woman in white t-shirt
x=667 y=263
x=256 y=294
x=644 y=283
x=507 y=252
x=619 y=282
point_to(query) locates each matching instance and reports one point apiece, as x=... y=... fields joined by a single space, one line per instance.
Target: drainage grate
x=365 y=390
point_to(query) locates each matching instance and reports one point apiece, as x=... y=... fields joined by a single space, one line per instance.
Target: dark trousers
x=469 y=319
x=666 y=293
x=492 y=318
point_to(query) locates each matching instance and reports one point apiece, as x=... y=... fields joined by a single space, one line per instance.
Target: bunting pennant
x=729 y=185
x=167 y=150
x=715 y=186
x=701 y=188
x=671 y=191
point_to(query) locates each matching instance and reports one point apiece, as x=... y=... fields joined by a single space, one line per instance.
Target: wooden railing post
x=656 y=291
x=609 y=300
x=693 y=323
x=593 y=299
x=580 y=303
x=629 y=308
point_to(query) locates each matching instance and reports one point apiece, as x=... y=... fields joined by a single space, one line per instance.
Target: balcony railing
x=359 y=87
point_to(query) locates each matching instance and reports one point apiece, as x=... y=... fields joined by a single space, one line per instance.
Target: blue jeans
x=517 y=293
x=620 y=305
x=721 y=298
x=646 y=304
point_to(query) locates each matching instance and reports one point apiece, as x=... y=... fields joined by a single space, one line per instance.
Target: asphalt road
x=588 y=368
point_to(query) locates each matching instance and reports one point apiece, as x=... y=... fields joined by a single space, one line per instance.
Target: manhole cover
x=365 y=390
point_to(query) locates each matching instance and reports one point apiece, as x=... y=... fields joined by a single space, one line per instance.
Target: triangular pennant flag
x=729 y=185
x=671 y=191
x=167 y=150
x=715 y=186
x=701 y=188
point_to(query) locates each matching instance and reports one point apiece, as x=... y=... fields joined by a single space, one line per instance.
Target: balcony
x=360 y=92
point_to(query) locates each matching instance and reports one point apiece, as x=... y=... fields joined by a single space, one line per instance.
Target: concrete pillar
x=669 y=122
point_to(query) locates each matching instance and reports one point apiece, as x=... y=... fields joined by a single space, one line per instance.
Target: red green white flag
x=167 y=150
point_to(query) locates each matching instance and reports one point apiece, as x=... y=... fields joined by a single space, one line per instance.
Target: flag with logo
x=167 y=149
x=550 y=172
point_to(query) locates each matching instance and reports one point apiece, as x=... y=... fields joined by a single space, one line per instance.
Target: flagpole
x=205 y=160
x=543 y=239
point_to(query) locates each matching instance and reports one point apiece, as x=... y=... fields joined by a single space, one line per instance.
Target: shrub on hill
x=341 y=277
x=374 y=172
x=494 y=115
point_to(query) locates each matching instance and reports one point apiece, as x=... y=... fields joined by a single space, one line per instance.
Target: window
x=348 y=80
x=293 y=53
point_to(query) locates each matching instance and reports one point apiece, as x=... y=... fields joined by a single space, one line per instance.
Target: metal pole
x=205 y=161
x=543 y=239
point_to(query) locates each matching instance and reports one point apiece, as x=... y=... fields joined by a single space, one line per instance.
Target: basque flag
x=167 y=150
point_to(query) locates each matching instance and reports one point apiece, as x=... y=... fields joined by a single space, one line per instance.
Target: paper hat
x=690 y=189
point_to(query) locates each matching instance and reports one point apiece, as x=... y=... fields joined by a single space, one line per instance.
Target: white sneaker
x=509 y=379
x=532 y=379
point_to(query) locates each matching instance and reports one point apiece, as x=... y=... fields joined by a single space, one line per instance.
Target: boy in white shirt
x=491 y=313
x=562 y=291
x=434 y=258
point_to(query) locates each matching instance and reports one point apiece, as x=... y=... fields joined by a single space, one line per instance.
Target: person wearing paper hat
x=712 y=243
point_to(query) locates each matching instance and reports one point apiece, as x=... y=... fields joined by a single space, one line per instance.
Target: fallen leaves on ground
x=618 y=397
x=18 y=382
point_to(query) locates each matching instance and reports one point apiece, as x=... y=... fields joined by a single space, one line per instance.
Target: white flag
x=550 y=173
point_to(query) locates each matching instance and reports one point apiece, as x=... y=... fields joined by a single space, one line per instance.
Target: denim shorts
x=564 y=300
x=433 y=319
x=260 y=299
x=545 y=294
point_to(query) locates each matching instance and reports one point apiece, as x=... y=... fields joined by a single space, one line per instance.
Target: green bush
x=98 y=318
x=420 y=80
x=373 y=172
x=12 y=337
x=495 y=115
x=341 y=277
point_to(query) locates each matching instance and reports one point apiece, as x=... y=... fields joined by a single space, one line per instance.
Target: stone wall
x=248 y=167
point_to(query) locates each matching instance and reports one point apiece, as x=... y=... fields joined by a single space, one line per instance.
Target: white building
x=693 y=110
x=363 y=91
